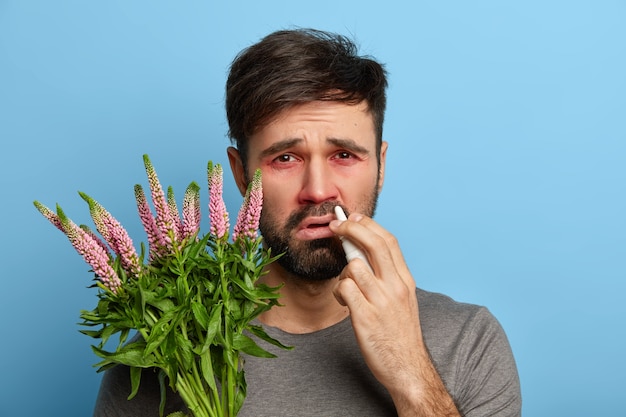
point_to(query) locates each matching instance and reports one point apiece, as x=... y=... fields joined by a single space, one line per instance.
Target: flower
x=191 y=211
x=89 y=248
x=155 y=238
x=165 y=222
x=96 y=238
x=50 y=215
x=115 y=235
x=217 y=208
x=192 y=302
x=250 y=212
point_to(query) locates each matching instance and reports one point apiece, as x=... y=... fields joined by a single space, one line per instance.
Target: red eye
x=284 y=158
x=345 y=158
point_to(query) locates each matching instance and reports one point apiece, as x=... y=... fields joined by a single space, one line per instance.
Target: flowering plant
x=191 y=302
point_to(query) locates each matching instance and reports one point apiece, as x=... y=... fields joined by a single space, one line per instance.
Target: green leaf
x=206 y=368
x=200 y=314
x=92 y=333
x=230 y=356
x=130 y=355
x=140 y=301
x=242 y=391
x=162 y=390
x=215 y=324
x=161 y=330
x=123 y=337
x=135 y=379
x=181 y=286
x=234 y=308
x=259 y=332
x=184 y=348
x=163 y=304
x=245 y=344
x=198 y=246
x=107 y=332
x=248 y=310
x=103 y=308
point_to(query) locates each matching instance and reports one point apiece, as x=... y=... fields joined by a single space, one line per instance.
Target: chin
x=316 y=260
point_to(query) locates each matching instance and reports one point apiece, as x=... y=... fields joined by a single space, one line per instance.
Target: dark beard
x=312 y=260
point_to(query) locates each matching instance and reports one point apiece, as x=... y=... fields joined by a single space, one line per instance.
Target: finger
x=367 y=283
x=348 y=294
x=390 y=240
x=384 y=239
x=360 y=232
x=393 y=280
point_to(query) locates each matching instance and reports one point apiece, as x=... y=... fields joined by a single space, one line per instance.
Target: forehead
x=321 y=120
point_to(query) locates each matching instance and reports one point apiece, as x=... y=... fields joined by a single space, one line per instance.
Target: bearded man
x=304 y=108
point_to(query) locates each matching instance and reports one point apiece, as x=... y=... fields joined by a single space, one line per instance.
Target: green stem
x=192 y=390
x=229 y=378
x=232 y=386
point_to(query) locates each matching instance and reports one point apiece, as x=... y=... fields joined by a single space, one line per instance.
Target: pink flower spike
x=164 y=220
x=116 y=236
x=250 y=213
x=95 y=237
x=96 y=210
x=218 y=215
x=155 y=239
x=255 y=205
x=91 y=252
x=171 y=203
x=50 y=215
x=191 y=211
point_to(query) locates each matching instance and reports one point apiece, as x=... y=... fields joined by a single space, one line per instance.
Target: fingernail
x=335 y=223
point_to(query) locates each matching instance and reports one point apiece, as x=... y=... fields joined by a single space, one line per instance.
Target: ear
x=383 y=159
x=236 y=166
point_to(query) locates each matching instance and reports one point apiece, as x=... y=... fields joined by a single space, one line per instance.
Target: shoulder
x=448 y=324
x=438 y=309
x=472 y=354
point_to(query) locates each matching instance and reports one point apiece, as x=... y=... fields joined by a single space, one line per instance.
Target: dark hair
x=291 y=67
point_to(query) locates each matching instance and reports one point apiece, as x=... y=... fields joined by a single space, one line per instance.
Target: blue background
x=505 y=180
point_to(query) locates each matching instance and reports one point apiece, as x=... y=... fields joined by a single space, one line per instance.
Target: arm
x=384 y=312
x=112 y=400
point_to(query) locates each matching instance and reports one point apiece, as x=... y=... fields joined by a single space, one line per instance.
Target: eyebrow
x=349 y=144
x=282 y=145
x=279 y=147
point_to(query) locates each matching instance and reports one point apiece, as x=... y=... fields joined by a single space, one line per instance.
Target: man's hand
x=384 y=313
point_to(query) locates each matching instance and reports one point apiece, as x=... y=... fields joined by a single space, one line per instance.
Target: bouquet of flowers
x=189 y=301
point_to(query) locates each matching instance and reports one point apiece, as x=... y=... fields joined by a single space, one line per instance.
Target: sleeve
x=488 y=382
x=112 y=400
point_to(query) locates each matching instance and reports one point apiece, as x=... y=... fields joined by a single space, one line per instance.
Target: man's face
x=313 y=157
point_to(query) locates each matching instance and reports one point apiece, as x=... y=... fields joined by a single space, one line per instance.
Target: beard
x=309 y=260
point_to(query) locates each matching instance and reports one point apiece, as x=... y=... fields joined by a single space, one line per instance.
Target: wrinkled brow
x=348 y=144
x=282 y=145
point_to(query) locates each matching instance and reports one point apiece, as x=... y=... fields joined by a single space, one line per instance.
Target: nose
x=317 y=184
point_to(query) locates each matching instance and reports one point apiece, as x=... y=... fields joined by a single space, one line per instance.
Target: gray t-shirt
x=325 y=374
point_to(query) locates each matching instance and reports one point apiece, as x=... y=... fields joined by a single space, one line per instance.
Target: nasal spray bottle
x=352 y=251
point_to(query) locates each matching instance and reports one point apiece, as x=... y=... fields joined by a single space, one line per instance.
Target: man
x=307 y=111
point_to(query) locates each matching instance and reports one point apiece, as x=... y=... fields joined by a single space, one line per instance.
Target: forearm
x=425 y=395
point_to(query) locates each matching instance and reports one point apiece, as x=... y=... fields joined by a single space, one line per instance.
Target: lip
x=315 y=227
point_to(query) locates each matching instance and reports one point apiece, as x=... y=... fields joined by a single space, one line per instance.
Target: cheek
x=279 y=189
x=277 y=200
x=356 y=186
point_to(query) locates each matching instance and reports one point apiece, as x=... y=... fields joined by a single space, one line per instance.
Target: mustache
x=311 y=210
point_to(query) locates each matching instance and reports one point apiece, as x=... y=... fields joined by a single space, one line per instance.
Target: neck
x=306 y=306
